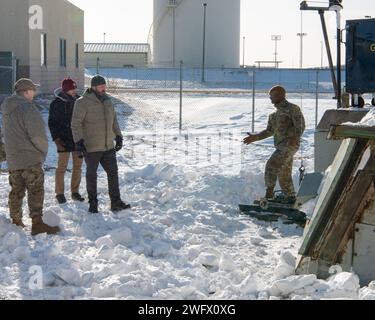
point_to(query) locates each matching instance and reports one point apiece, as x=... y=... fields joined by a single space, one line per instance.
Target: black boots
x=93 y=206
x=119 y=206
x=77 y=197
x=116 y=206
x=61 y=199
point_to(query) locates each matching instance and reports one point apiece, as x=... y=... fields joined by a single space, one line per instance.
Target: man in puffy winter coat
x=95 y=128
x=59 y=122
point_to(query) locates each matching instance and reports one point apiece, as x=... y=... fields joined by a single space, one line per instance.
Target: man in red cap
x=59 y=122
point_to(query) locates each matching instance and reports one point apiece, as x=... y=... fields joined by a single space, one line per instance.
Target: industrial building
x=181 y=26
x=116 y=55
x=45 y=39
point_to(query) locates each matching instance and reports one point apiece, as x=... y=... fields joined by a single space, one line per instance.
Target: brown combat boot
x=270 y=193
x=39 y=227
x=18 y=222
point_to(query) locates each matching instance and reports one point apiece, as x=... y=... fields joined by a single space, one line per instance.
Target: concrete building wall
x=14 y=35
x=60 y=19
x=116 y=60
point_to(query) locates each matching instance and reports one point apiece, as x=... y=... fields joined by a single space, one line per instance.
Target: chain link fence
x=8 y=70
x=172 y=115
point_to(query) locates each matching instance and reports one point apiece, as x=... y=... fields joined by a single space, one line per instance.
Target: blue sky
x=130 y=21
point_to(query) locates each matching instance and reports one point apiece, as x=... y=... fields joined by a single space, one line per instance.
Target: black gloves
x=119 y=143
x=81 y=149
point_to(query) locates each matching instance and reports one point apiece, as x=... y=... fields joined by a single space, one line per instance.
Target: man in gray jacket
x=95 y=128
x=26 y=147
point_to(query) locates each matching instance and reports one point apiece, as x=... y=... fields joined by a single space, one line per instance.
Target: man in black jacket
x=59 y=122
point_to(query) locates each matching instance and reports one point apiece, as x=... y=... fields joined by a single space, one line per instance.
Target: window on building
x=43 y=49
x=77 y=55
x=62 y=52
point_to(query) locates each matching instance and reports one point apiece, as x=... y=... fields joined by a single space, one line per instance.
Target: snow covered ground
x=184 y=237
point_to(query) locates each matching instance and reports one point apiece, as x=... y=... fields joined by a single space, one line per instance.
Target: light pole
x=174 y=35
x=321 y=54
x=301 y=35
x=204 y=41
x=335 y=5
x=104 y=34
x=243 y=57
x=276 y=38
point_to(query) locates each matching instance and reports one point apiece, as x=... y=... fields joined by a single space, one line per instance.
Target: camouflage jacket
x=2 y=149
x=286 y=125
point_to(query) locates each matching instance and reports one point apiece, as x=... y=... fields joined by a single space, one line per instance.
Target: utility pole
x=173 y=6
x=276 y=38
x=301 y=35
x=204 y=42
x=335 y=5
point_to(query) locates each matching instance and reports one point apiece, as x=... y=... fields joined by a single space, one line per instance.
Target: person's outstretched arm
x=267 y=133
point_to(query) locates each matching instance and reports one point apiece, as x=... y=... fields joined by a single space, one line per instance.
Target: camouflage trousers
x=280 y=167
x=2 y=152
x=32 y=181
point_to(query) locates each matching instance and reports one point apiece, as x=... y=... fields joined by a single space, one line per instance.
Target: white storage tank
x=177 y=33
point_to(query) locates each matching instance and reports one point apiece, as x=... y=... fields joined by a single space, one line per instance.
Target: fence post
x=14 y=63
x=98 y=65
x=317 y=98
x=136 y=77
x=181 y=87
x=253 y=111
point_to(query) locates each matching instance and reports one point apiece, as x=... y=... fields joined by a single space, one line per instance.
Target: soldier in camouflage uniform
x=286 y=125
x=26 y=147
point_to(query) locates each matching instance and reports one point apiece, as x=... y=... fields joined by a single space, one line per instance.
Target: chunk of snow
x=121 y=236
x=160 y=249
x=51 y=218
x=226 y=263
x=366 y=294
x=287 y=286
x=11 y=241
x=100 y=292
x=69 y=276
x=256 y=241
x=4 y=228
x=105 y=253
x=104 y=241
x=208 y=260
x=343 y=285
x=286 y=265
x=248 y=285
x=21 y=253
